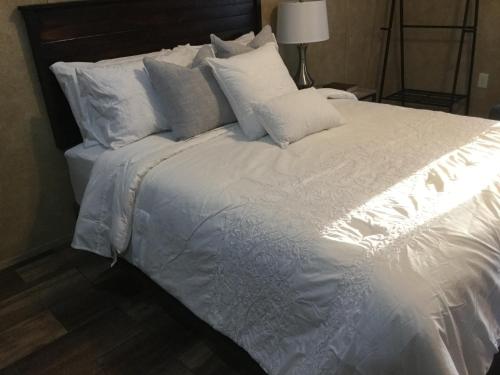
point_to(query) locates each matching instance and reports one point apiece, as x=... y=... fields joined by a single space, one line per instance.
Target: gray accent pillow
x=265 y=36
x=204 y=53
x=191 y=98
x=225 y=49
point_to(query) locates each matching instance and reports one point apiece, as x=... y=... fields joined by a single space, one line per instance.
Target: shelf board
x=424 y=97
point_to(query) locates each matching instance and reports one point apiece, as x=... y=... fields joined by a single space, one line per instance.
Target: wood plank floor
x=67 y=312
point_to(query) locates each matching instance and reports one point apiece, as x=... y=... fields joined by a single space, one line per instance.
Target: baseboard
x=35 y=251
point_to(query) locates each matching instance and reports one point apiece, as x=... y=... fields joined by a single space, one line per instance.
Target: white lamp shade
x=302 y=22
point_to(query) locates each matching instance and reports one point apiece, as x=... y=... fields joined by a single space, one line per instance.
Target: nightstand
x=361 y=93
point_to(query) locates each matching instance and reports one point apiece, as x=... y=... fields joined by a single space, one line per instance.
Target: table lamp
x=302 y=22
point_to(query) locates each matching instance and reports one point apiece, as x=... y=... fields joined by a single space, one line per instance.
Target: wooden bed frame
x=102 y=29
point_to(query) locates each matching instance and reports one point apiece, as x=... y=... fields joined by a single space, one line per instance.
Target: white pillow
x=336 y=94
x=181 y=55
x=256 y=76
x=224 y=49
x=291 y=117
x=246 y=38
x=118 y=104
x=66 y=76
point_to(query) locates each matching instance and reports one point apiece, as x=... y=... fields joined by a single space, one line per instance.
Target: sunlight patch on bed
x=436 y=189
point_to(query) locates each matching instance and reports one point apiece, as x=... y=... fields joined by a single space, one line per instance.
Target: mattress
x=371 y=248
x=80 y=161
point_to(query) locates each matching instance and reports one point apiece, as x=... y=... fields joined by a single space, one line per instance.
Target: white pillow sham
x=291 y=117
x=244 y=39
x=225 y=49
x=181 y=55
x=256 y=76
x=65 y=73
x=118 y=104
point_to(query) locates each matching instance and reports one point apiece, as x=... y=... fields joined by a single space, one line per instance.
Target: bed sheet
x=80 y=160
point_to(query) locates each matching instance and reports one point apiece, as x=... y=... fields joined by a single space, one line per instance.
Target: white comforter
x=373 y=248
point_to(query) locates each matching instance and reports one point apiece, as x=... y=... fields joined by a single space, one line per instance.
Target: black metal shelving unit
x=424 y=97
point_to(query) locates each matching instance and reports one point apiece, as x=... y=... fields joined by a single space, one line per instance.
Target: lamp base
x=303 y=79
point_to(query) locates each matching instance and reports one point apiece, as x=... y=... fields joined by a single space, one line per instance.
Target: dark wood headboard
x=101 y=29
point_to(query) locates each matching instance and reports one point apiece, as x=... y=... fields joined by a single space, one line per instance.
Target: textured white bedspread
x=372 y=248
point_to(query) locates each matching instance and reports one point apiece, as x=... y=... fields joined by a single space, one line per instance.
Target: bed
x=373 y=248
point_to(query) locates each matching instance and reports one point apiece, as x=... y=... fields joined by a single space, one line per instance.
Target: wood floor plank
x=215 y=366
x=145 y=307
x=46 y=266
x=91 y=266
x=10 y=283
x=29 y=302
x=79 y=350
x=19 y=308
x=123 y=280
x=77 y=310
x=145 y=351
x=61 y=287
x=196 y=355
x=172 y=367
x=28 y=336
x=9 y=371
x=232 y=354
x=161 y=340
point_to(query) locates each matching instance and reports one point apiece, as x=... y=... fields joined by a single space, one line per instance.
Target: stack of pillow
x=193 y=89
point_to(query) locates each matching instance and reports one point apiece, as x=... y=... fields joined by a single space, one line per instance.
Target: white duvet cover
x=372 y=248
